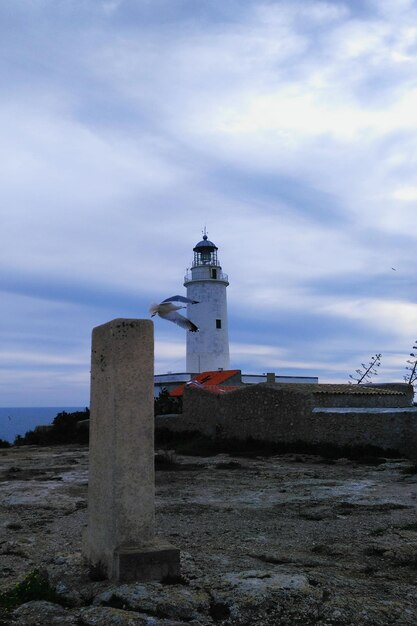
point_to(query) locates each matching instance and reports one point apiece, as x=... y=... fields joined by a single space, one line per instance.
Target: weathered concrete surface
x=121 y=491
x=288 y=540
x=157 y=560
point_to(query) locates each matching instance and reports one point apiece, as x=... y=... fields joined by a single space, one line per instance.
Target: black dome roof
x=205 y=245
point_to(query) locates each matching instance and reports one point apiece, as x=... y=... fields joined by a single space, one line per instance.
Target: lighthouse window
x=218 y=323
x=214 y=273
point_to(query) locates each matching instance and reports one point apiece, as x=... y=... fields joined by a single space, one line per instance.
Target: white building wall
x=207 y=349
x=253 y=379
x=169 y=381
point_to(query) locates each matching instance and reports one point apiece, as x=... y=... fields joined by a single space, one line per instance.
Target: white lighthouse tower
x=207 y=349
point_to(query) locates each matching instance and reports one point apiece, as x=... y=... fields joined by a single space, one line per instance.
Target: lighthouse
x=207 y=349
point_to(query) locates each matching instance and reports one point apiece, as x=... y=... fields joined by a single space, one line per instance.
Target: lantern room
x=205 y=253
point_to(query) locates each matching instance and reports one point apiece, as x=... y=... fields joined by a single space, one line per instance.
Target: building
x=221 y=380
x=208 y=349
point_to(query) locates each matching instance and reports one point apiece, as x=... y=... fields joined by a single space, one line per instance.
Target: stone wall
x=241 y=414
x=263 y=412
x=278 y=414
x=385 y=395
x=394 y=429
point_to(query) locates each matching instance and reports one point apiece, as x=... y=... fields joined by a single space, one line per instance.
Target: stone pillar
x=120 y=542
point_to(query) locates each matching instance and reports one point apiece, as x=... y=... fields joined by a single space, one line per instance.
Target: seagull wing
x=164 y=308
x=180 y=299
x=180 y=320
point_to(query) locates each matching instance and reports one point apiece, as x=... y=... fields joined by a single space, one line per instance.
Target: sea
x=18 y=420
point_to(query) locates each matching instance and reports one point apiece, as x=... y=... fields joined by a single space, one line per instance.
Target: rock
x=41 y=613
x=109 y=616
x=403 y=555
x=249 y=607
x=317 y=513
x=331 y=549
x=68 y=559
x=366 y=611
x=260 y=597
x=276 y=542
x=259 y=580
x=13 y=548
x=13 y=526
x=167 y=601
x=68 y=596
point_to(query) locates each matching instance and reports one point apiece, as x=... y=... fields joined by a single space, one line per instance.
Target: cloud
x=169 y=353
x=394 y=317
x=287 y=128
x=407 y=194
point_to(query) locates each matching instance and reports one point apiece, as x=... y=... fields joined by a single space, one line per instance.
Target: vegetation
x=4 y=444
x=411 y=376
x=65 y=429
x=195 y=444
x=34 y=587
x=365 y=375
x=166 y=404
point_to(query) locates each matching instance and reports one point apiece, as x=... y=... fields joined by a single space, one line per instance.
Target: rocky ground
x=290 y=539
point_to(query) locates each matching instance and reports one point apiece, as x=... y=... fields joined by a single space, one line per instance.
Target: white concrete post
x=120 y=541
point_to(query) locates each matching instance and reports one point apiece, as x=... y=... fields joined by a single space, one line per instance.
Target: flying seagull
x=168 y=310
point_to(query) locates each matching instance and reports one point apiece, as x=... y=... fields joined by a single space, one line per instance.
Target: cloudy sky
x=289 y=128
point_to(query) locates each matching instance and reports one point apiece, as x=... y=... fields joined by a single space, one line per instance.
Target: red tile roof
x=213 y=381
x=220 y=388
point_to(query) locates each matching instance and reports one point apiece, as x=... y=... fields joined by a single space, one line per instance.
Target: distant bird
x=393 y=268
x=168 y=310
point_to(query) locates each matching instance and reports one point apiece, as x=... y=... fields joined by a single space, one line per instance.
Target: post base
x=158 y=560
